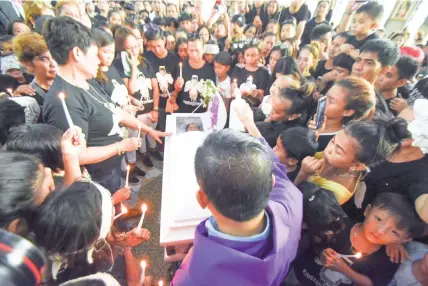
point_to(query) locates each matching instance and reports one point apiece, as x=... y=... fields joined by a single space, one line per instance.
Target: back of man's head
x=407 y=67
x=319 y=31
x=388 y=52
x=235 y=171
x=373 y=9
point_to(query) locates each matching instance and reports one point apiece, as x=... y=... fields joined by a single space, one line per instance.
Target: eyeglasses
x=194 y=36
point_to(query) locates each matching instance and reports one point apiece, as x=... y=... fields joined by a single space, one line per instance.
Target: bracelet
x=155 y=108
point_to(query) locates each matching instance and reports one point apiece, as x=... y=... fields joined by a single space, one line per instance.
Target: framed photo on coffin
x=180 y=211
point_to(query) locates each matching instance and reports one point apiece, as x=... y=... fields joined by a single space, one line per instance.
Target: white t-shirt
x=224 y=87
x=404 y=275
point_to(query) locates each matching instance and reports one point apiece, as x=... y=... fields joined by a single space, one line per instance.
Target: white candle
x=140 y=223
x=139 y=130
x=128 y=168
x=143 y=272
x=64 y=106
x=124 y=210
x=356 y=255
x=181 y=70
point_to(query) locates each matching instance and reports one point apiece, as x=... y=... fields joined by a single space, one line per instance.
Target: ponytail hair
x=378 y=138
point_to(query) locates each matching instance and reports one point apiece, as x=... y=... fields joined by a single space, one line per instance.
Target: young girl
x=268 y=41
x=273 y=27
x=308 y=60
x=276 y=54
x=141 y=81
x=250 y=31
x=251 y=74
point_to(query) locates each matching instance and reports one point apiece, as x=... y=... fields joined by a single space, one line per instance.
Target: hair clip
x=312 y=198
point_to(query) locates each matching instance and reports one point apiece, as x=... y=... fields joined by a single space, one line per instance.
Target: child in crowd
x=364 y=25
x=252 y=236
x=222 y=63
x=390 y=219
x=211 y=49
x=342 y=68
x=292 y=146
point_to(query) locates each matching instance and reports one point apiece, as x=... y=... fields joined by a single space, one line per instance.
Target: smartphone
x=322 y=102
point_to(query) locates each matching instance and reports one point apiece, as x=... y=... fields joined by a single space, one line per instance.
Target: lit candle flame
x=160 y=283
x=61 y=95
x=358 y=255
x=143 y=264
x=144 y=208
x=128 y=168
x=124 y=209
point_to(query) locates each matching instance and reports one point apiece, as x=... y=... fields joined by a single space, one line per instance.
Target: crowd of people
x=326 y=186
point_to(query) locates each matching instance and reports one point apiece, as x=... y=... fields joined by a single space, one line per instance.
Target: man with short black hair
x=387 y=84
x=322 y=34
x=375 y=59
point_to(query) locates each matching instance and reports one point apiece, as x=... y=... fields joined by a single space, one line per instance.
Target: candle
x=64 y=106
x=140 y=223
x=128 y=168
x=123 y=211
x=160 y=283
x=356 y=255
x=181 y=69
x=139 y=129
x=143 y=272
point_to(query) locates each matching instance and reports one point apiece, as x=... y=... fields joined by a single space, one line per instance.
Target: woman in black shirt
x=73 y=47
x=141 y=82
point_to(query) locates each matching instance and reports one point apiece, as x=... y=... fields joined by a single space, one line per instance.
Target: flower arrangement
x=208 y=91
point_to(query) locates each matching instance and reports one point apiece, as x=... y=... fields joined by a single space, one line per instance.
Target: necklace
x=108 y=105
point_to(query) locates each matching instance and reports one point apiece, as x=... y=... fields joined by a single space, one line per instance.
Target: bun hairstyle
x=378 y=138
x=322 y=214
x=300 y=97
x=28 y=46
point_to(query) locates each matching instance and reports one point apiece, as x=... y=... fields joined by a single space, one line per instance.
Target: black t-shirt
x=271 y=130
x=170 y=62
x=310 y=25
x=88 y=111
x=409 y=179
x=358 y=44
x=260 y=79
x=320 y=70
x=419 y=91
x=145 y=80
x=191 y=76
x=114 y=86
x=376 y=266
x=301 y=15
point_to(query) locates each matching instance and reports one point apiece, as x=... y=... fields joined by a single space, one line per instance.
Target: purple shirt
x=218 y=261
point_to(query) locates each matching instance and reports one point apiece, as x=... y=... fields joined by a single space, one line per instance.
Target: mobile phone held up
x=322 y=102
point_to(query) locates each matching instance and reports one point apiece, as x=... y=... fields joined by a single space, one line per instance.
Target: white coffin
x=180 y=211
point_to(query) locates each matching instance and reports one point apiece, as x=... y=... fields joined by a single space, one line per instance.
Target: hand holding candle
x=64 y=106
x=140 y=223
x=356 y=255
x=124 y=210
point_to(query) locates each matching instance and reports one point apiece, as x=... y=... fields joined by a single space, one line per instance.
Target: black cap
x=239 y=20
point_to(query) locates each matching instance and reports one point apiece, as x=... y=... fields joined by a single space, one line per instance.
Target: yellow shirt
x=341 y=193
